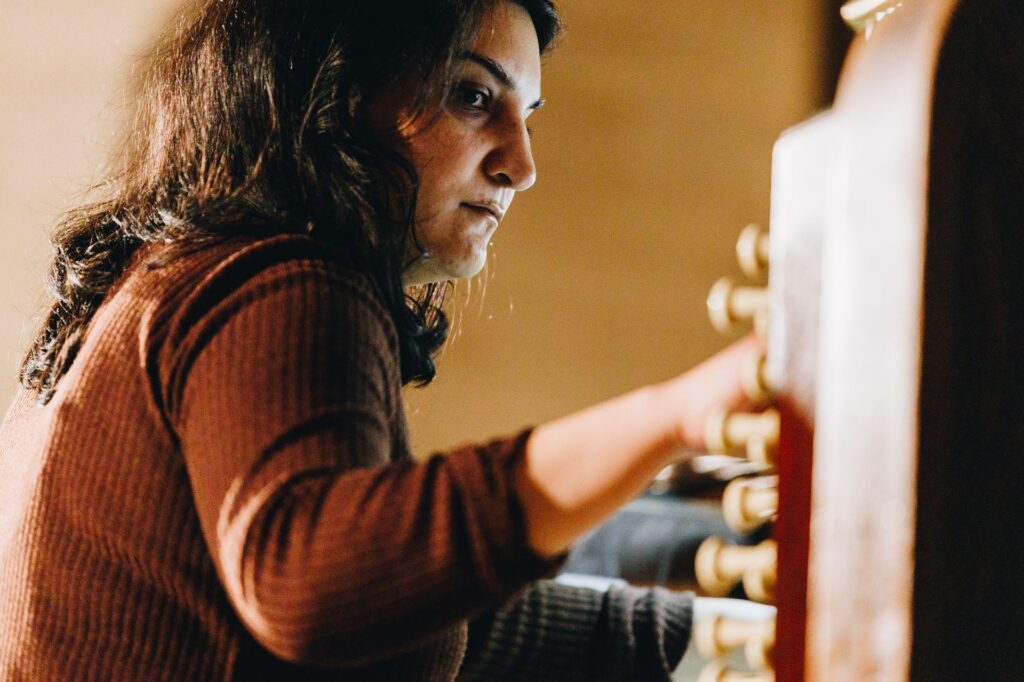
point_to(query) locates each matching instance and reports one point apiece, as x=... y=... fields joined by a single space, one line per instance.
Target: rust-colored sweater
x=221 y=488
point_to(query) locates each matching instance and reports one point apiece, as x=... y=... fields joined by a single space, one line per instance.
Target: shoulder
x=294 y=284
x=215 y=270
x=188 y=284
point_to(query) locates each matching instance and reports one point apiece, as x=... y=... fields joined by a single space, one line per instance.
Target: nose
x=510 y=161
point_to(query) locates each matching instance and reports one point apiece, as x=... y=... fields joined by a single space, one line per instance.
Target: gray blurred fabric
x=653 y=540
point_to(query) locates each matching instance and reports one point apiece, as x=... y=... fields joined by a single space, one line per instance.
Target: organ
x=894 y=327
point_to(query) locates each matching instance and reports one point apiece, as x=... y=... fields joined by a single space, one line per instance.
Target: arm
x=581 y=468
x=333 y=547
x=280 y=382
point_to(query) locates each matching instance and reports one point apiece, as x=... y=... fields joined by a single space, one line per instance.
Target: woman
x=207 y=475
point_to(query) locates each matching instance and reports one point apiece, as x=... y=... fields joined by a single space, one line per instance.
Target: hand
x=578 y=469
x=713 y=384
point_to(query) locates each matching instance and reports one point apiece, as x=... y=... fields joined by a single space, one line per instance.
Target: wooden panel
x=799 y=163
x=791 y=532
x=864 y=487
x=903 y=532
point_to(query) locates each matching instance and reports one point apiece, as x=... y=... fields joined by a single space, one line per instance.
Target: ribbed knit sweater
x=221 y=489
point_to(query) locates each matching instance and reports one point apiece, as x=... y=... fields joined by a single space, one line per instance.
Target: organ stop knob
x=749 y=503
x=752 y=250
x=755 y=433
x=720 y=565
x=729 y=304
x=718 y=636
x=716 y=671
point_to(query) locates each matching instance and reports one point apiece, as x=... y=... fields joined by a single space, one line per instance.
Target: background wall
x=653 y=151
x=63 y=65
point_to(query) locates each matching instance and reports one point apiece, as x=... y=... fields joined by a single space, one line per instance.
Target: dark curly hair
x=250 y=120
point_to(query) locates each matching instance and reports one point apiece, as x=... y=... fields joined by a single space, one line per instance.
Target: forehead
x=507 y=36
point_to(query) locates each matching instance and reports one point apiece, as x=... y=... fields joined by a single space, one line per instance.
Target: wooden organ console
x=894 y=325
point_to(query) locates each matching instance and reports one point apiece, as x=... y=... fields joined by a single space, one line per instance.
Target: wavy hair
x=250 y=120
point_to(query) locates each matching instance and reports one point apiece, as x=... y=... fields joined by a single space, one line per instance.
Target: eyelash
x=467 y=92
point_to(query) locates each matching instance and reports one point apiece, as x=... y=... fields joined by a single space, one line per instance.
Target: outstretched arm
x=581 y=468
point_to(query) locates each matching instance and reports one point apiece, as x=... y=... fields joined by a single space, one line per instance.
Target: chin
x=431 y=270
x=465 y=269
x=463 y=262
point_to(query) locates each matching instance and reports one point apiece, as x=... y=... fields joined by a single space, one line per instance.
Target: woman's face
x=474 y=157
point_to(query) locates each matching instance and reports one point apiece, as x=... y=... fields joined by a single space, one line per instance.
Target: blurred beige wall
x=653 y=151
x=63 y=65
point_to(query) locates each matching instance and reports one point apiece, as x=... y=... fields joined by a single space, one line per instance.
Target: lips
x=495 y=210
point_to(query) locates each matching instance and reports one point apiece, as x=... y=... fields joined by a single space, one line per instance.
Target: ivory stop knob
x=860 y=14
x=752 y=250
x=759 y=584
x=754 y=379
x=718 y=636
x=729 y=304
x=716 y=671
x=756 y=433
x=749 y=503
x=720 y=565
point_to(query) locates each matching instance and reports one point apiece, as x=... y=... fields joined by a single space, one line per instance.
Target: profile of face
x=474 y=157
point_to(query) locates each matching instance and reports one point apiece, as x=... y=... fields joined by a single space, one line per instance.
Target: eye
x=473 y=97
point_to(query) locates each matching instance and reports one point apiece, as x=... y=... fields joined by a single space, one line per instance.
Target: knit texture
x=559 y=632
x=221 y=488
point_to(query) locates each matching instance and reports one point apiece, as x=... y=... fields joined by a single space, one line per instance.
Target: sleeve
x=280 y=384
x=557 y=631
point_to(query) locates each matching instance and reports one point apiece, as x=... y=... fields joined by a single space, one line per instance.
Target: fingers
x=715 y=384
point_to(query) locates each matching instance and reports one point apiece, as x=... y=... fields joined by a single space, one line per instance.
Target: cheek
x=444 y=157
x=434 y=192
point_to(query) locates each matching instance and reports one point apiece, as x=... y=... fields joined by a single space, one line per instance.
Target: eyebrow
x=496 y=70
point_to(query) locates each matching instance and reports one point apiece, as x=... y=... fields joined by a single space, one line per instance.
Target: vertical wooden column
x=867 y=427
x=794 y=467
x=799 y=169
